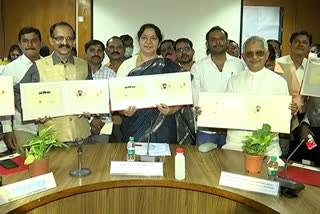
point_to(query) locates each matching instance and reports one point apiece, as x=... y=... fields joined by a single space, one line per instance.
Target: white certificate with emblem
x=311 y=80
x=53 y=99
x=6 y=96
x=147 y=91
x=245 y=112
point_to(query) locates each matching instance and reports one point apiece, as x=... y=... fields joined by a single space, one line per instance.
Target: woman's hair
x=14 y=47
x=154 y=27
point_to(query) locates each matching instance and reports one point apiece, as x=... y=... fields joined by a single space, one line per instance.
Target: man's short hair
x=255 y=39
x=232 y=41
x=29 y=29
x=44 y=51
x=114 y=37
x=214 y=29
x=274 y=40
x=185 y=40
x=298 y=33
x=126 y=37
x=53 y=27
x=93 y=42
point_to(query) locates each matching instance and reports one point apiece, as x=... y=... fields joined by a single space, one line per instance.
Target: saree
x=149 y=125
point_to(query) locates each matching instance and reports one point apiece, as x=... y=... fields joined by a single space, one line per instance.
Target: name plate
x=21 y=189
x=249 y=183
x=136 y=168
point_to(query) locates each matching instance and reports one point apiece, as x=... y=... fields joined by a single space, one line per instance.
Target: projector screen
x=189 y=18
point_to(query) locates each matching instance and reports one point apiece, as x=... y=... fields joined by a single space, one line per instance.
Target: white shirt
x=208 y=78
x=299 y=71
x=1 y=69
x=263 y=82
x=127 y=66
x=17 y=69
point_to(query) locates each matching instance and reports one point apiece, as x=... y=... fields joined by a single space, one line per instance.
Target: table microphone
x=290 y=188
x=147 y=158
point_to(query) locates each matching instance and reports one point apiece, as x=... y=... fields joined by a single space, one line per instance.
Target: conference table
x=200 y=192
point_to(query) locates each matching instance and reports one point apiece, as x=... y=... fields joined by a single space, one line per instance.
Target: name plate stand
x=249 y=183
x=21 y=189
x=136 y=168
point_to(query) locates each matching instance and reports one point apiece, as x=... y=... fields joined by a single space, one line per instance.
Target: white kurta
x=263 y=82
x=208 y=78
x=299 y=71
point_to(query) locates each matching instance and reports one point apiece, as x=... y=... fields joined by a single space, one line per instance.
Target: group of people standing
x=218 y=72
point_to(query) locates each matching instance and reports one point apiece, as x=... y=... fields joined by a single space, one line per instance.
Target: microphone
x=147 y=158
x=290 y=188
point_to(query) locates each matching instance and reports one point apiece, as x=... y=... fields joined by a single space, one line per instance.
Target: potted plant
x=37 y=149
x=255 y=146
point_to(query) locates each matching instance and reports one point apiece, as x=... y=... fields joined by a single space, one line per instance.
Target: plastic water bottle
x=179 y=164
x=131 y=151
x=273 y=168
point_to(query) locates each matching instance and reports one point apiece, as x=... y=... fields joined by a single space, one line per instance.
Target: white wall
x=175 y=18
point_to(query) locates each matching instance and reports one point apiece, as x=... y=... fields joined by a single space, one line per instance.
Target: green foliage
x=257 y=143
x=38 y=147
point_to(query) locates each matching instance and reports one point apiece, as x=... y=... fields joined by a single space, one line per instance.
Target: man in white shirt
x=95 y=54
x=294 y=66
x=211 y=74
x=256 y=80
x=30 y=44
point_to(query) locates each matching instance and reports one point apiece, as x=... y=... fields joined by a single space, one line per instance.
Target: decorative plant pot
x=39 y=167
x=253 y=163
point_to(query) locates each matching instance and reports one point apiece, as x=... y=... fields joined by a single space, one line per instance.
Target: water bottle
x=179 y=164
x=131 y=151
x=272 y=168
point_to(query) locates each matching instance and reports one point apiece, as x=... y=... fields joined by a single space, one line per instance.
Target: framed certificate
x=147 y=91
x=311 y=81
x=6 y=96
x=62 y=98
x=234 y=111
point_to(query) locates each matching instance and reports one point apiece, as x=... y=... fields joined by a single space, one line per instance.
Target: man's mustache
x=116 y=52
x=64 y=46
x=96 y=56
x=30 y=49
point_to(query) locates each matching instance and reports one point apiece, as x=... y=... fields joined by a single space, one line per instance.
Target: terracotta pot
x=253 y=163
x=39 y=167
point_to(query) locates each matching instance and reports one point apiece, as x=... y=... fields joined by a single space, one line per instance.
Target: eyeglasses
x=62 y=38
x=187 y=48
x=250 y=54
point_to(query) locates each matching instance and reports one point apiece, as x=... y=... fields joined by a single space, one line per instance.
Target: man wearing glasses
x=60 y=66
x=211 y=74
x=184 y=52
x=256 y=80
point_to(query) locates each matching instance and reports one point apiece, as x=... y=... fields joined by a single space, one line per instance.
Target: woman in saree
x=163 y=124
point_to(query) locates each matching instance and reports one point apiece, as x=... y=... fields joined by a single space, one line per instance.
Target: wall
x=191 y=19
x=298 y=15
x=42 y=14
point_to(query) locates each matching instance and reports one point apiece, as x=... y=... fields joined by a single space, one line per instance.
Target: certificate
x=147 y=91
x=311 y=81
x=246 y=112
x=6 y=96
x=62 y=98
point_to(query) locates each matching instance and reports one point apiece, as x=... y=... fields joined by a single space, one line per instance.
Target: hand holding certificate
x=53 y=99
x=246 y=112
x=6 y=96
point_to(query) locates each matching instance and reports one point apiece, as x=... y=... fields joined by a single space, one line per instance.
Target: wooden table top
x=202 y=174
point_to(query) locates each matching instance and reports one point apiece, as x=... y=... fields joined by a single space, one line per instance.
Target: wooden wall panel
x=308 y=18
x=2 y=54
x=40 y=14
x=84 y=28
x=298 y=15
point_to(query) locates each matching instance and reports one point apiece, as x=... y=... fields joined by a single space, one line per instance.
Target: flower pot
x=39 y=167
x=253 y=163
